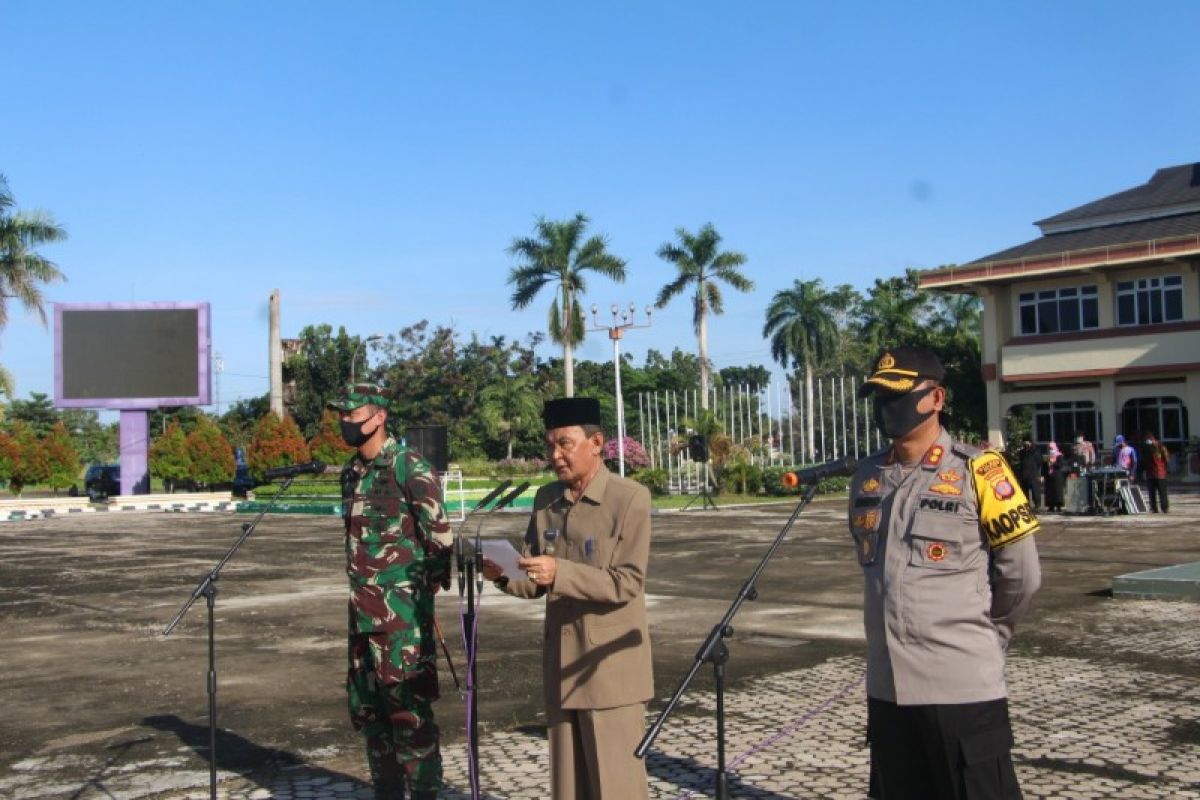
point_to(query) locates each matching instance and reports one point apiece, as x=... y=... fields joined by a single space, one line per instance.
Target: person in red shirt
x=1157 y=458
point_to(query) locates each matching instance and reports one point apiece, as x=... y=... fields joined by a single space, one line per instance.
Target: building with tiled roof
x=1096 y=323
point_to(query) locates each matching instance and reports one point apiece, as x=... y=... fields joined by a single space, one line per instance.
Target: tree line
x=488 y=392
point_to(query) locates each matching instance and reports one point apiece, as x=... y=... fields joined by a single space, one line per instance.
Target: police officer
x=944 y=537
x=398 y=546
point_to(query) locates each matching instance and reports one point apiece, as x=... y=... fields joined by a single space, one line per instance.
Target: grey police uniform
x=949 y=568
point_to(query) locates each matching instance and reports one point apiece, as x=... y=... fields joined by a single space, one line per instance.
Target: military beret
x=357 y=395
x=566 y=411
x=900 y=369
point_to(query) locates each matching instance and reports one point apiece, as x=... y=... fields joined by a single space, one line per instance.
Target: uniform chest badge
x=869 y=485
x=950 y=476
x=945 y=488
x=867 y=519
x=936 y=551
x=934 y=456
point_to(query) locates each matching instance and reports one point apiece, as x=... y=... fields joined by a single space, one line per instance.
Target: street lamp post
x=615 y=331
x=375 y=337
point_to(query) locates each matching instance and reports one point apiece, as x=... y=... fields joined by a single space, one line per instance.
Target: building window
x=1165 y=417
x=1149 y=301
x=1059 y=422
x=1059 y=310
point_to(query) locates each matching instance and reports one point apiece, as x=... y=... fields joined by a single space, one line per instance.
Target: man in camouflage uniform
x=398 y=547
x=945 y=539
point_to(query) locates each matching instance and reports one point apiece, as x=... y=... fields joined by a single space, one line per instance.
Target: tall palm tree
x=22 y=269
x=699 y=261
x=895 y=311
x=804 y=334
x=556 y=255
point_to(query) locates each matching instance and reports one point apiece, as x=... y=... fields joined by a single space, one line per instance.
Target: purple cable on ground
x=783 y=732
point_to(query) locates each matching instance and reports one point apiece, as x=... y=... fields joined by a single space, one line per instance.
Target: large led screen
x=131 y=356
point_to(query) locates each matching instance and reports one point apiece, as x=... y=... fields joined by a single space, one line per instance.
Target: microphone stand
x=715 y=652
x=470 y=573
x=207 y=588
x=468 y=569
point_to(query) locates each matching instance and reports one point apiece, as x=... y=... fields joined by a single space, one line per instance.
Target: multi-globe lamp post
x=615 y=331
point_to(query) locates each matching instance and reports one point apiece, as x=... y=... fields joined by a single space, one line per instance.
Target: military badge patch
x=869 y=485
x=936 y=551
x=950 y=476
x=945 y=488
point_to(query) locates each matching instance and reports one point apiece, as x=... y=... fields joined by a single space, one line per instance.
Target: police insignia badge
x=867 y=519
x=887 y=361
x=945 y=488
x=869 y=485
x=936 y=551
x=934 y=456
x=1004 y=513
x=950 y=476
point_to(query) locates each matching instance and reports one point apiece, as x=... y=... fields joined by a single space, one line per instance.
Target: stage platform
x=1178 y=582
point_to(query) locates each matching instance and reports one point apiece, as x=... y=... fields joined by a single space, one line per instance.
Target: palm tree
x=700 y=262
x=895 y=311
x=510 y=407
x=555 y=255
x=804 y=334
x=22 y=269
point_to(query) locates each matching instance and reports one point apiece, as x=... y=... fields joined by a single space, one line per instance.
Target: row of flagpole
x=772 y=421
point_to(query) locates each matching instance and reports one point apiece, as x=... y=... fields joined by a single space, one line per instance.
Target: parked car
x=102 y=480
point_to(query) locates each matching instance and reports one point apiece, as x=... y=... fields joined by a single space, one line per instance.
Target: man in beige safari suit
x=586 y=550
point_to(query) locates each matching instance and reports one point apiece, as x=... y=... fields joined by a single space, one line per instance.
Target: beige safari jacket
x=597 y=642
x=949 y=568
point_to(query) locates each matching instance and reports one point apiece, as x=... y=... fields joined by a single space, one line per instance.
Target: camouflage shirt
x=398 y=542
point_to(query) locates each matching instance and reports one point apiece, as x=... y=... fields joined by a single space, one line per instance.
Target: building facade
x=1095 y=325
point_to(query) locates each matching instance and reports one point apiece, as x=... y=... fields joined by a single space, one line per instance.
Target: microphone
x=511 y=496
x=312 y=467
x=830 y=469
x=492 y=495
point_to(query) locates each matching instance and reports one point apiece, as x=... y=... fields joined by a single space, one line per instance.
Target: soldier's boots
x=392 y=790
x=388 y=790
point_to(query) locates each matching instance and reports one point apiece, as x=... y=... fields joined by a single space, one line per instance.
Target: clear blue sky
x=373 y=160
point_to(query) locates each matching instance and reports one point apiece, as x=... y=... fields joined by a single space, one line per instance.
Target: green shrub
x=656 y=480
x=742 y=478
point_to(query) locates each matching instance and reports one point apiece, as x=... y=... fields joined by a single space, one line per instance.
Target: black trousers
x=941 y=752
x=1157 y=489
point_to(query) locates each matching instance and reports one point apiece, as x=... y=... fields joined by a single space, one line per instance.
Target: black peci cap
x=566 y=411
x=900 y=369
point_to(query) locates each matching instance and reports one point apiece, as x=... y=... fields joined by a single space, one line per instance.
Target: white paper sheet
x=502 y=554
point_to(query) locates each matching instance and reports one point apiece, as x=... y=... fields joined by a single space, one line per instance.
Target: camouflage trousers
x=391 y=703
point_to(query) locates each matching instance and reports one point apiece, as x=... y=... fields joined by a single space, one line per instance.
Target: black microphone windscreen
x=513 y=495
x=493 y=494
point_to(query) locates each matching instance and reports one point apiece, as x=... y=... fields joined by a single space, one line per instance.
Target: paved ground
x=98 y=704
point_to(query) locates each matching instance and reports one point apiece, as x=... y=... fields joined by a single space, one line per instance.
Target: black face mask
x=897 y=415
x=352 y=432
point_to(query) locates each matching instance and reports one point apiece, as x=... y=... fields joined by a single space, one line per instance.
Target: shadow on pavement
x=697 y=780
x=238 y=754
